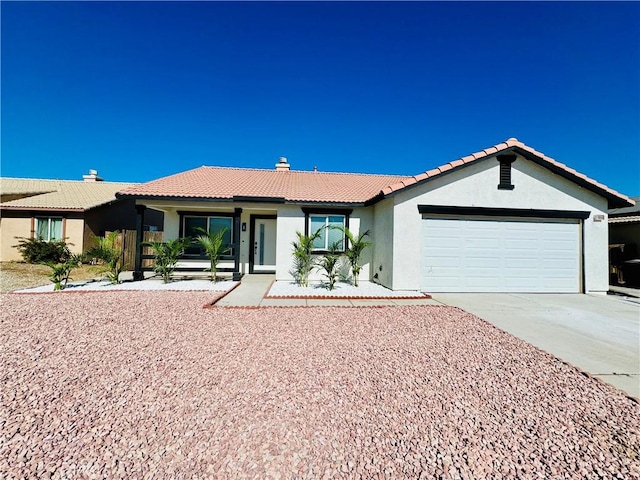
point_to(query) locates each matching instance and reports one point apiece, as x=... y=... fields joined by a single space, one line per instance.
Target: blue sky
x=143 y=90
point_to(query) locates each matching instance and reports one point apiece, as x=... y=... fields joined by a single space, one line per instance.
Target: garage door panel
x=478 y=284
x=484 y=243
x=557 y=264
x=559 y=242
x=442 y=263
x=519 y=263
x=518 y=245
x=500 y=255
x=556 y=273
x=481 y=262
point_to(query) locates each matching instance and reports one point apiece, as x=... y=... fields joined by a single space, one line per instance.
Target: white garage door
x=500 y=255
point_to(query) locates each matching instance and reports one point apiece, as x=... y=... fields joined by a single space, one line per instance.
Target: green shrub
x=106 y=249
x=328 y=264
x=214 y=247
x=166 y=256
x=60 y=272
x=354 y=250
x=36 y=250
x=303 y=259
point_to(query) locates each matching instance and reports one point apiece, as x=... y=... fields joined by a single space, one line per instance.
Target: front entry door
x=262 y=258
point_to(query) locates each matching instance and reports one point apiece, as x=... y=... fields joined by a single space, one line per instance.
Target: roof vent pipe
x=282 y=165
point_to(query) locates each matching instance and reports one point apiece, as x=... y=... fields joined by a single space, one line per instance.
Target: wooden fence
x=127 y=243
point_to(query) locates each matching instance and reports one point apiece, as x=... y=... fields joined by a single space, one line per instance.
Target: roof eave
x=239 y=198
x=133 y=196
x=50 y=209
x=615 y=200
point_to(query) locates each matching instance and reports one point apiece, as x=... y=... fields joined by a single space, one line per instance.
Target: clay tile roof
x=490 y=151
x=615 y=199
x=293 y=186
x=37 y=194
x=333 y=188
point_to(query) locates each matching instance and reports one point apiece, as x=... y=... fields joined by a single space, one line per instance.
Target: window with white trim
x=49 y=229
x=328 y=233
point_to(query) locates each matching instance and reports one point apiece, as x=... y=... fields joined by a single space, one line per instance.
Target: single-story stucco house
x=505 y=219
x=72 y=210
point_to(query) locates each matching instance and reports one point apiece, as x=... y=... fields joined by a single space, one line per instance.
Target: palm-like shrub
x=354 y=251
x=328 y=264
x=106 y=249
x=303 y=260
x=214 y=247
x=61 y=272
x=166 y=255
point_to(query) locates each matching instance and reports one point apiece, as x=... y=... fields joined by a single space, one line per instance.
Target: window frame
x=207 y=216
x=326 y=212
x=327 y=223
x=49 y=224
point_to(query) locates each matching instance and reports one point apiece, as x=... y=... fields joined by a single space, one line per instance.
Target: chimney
x=92 y=177
x=283 y=165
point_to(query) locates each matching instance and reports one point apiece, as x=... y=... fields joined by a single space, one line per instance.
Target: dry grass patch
x=18 y=275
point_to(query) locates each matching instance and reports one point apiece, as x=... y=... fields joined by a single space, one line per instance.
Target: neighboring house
x=506 y=219
x=75 y=211
x=624 y=244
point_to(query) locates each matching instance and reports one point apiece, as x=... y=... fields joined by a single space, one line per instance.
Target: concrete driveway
x=598 y=334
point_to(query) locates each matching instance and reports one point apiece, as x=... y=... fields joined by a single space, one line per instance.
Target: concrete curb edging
x=350 y=297
x=213 y=302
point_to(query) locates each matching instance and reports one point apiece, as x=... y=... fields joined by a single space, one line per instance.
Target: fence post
x=138 y=274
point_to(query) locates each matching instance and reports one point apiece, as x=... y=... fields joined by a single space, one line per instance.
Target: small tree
x=166 y=256
x=354 y=250
x=303 y=260
x=106 y=250
x=329 y=262
x=214 y=247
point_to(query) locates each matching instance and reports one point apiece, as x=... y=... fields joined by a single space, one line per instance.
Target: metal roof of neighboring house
x=57 y=194
x=628 y=219
x=627 y=211
x=291 y=185
x=321 y=187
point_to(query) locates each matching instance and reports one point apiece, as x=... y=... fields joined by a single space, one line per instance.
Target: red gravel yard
x=152 y=385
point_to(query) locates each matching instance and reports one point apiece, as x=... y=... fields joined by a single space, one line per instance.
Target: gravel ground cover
x=286 y=289
x=151 y=385
x=155 y=283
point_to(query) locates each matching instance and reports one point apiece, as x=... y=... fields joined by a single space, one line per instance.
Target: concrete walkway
x=249 y=293
x=252 y=289
x=598 y=334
